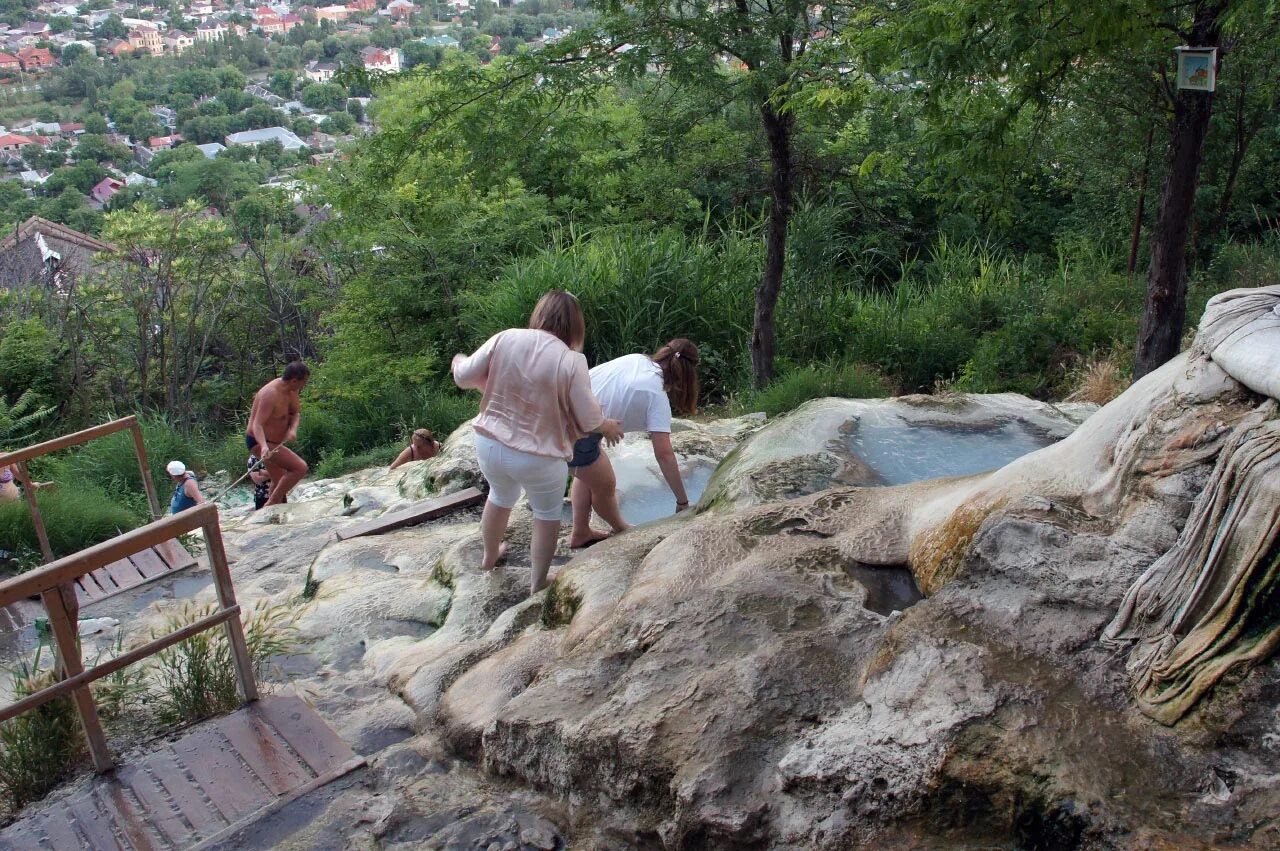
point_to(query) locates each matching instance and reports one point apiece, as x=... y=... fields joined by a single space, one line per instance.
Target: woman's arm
x=402 y=458
x=470 y=373
x=192 y=489
x=670 y=466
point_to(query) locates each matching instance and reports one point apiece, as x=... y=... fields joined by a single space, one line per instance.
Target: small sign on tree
x=1197 y=68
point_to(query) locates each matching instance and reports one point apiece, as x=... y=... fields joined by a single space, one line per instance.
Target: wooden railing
x=19 y=459
x=55 y=584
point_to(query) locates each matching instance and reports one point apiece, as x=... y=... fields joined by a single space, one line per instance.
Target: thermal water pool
x=900 y=452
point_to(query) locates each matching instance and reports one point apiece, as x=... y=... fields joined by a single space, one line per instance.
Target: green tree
x=325 y=97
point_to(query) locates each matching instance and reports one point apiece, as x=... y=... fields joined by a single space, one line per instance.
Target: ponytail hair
x=679 y=362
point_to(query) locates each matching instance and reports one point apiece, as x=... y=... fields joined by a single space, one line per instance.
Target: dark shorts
x=586 y=451
x=250 y=441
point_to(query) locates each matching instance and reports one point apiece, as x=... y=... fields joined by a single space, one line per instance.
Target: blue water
x=654 y=501
x=901 y=452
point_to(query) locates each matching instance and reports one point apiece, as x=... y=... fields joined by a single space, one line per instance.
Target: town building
x=287 y=139
x=381 y=59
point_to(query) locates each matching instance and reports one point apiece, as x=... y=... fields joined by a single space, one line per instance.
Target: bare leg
x=493 y=525
x=545 y=533
x=602 y=484
x=286 y=470
x=582 y=534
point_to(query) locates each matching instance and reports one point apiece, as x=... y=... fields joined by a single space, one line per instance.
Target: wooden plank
x=62 y=623
x=37 y=520
x=149 y=564
x=186 y=796
x=212 y=761
x=66 y=441
x=175 y=555
x=304 y=730
x=160 y=811
x=83 y=595
x=419 y=512
x=77 y=564
x=148 y=485
x=266 y=753
x=58 y=829
x=122 y=573
x=93 y=824
x=133 y=825
x=227 y=598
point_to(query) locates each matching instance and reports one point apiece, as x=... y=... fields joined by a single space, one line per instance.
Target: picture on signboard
x=1196 y=69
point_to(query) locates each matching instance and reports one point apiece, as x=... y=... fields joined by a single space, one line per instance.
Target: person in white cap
x=186 y=491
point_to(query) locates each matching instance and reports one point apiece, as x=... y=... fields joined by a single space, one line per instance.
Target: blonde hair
x=679 y=362
x=425 y=434
x=558 y=313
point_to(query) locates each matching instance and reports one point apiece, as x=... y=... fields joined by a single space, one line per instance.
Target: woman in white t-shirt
x=640 y=391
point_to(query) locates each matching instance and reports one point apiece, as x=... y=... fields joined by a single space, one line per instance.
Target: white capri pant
x=508 y=471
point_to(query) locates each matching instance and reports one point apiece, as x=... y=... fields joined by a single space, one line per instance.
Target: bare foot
x=592 y=537
x=502 y=557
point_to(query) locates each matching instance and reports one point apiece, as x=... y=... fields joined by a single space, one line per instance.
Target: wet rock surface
x=765 y=674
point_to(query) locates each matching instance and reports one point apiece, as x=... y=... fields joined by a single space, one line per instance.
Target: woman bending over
x=640 y=391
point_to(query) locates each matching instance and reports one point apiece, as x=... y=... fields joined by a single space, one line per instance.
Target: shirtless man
x=273 y=422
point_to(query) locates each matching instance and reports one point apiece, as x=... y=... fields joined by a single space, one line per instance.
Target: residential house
x=36 y=58
x=495 y=46
x=551 y=35
x=381 y=59
x=289 y=21
x=43 y=253
x=135 y=179
x=200 y=9
x=211 y=31
x=70 y=130
x=320 y=72
x=101 y=194
x=144 y=154
x=362 y=6
x=33 y=178
x=146 y=40
x=9 y=62
x=336 y=14
x=287 y=139
x=267 y=20
x=117 y=47
x=168 y=117
x=441 y=41
x=177 y=42
x=211 y=149
x=401 y=9
x=12 y=143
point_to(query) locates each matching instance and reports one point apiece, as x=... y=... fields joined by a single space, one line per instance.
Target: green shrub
x=40 y=747
x=196 y=678
x=347 y=425
x=851 y=381
x=75 y=517
x=337 y=463
x=638 y=289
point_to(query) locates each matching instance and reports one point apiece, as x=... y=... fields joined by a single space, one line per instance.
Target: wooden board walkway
x=419 y=512
x=217 y=779
x=138 y=569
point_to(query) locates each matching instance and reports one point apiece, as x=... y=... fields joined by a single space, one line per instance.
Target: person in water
x=273 y=422
x=8 y=487
x=422 y=445
x=186 y=490
x=537 y=400
x=641 y=392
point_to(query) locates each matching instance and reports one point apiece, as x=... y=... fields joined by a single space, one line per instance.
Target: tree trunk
x=1165 y=311
x=1135 y=238
x=778 y=129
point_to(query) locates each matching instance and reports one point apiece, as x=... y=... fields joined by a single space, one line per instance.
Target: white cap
x=176 y=468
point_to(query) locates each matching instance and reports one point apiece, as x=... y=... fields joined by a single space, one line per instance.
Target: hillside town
x=101 y=103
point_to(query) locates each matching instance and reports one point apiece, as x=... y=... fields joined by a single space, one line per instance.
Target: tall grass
x=638 y=289
x=37 y=748
x=793 y=389
x=76 y=516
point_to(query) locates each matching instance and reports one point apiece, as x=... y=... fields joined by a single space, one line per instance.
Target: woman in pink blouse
x=536 y=402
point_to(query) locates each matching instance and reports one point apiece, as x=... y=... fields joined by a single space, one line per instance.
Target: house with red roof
x=267 y=20
x=103 y=192
x=12 y=143
x=9 y=62
x=36 y=58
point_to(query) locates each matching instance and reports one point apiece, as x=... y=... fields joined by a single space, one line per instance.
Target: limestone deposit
x=733 y=678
